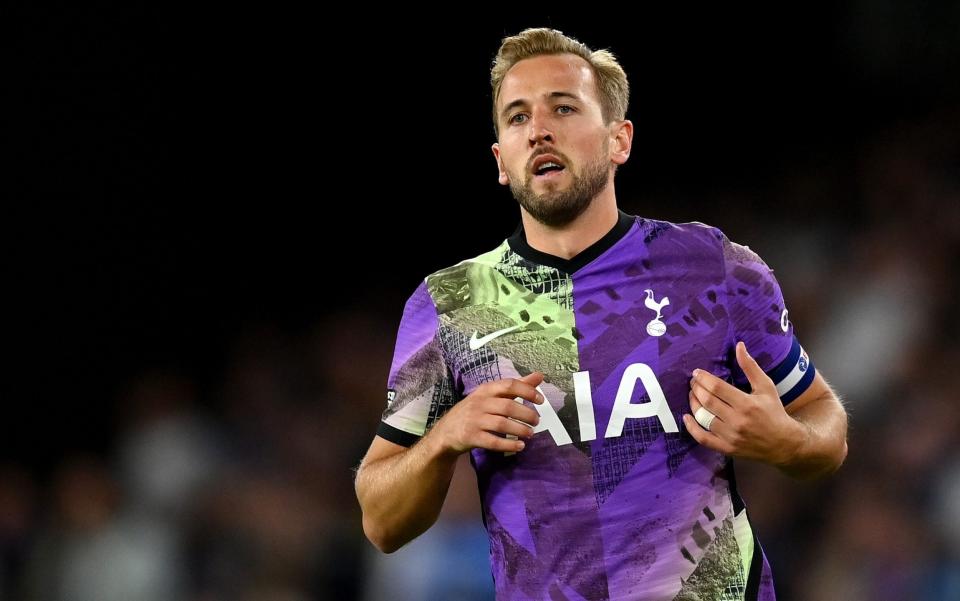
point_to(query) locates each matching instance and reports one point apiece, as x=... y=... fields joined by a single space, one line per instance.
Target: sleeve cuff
x=395 y=435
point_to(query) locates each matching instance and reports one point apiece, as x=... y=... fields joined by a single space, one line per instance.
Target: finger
x=705 y=418
x=717 y=426
x=534 y=378
x=699 y=411
x=511 y=408
x=712 y=403
x=755 y=374
x=518 y=411
x=492 y=442
x=524 y=388
x=704 y=437
x=722 y=390
x=497 y=424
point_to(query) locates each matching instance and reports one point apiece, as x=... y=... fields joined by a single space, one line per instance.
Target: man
x=575 y=361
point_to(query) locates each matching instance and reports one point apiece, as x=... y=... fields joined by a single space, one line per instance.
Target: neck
x=569 y=240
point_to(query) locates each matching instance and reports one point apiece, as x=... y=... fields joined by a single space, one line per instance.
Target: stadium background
x=214 y=216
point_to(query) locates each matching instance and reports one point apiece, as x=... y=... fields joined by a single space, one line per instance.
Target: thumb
x=759 y=381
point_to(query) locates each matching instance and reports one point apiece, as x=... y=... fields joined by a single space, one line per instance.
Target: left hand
x=751 y=425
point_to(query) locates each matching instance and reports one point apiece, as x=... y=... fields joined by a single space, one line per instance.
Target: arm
x=806 y=439
x=823 y=439
x=401 y=491
x=407 y=484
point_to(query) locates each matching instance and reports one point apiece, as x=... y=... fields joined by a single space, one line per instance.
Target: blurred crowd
x=867 y=258
x=244 y=490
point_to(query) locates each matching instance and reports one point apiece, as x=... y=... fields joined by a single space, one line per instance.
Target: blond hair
x=612 y=86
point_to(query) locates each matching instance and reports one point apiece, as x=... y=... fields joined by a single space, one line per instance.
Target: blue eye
x=517 y=118
x=564 y=109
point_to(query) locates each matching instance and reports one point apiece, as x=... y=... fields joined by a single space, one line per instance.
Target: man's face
x=554 y=149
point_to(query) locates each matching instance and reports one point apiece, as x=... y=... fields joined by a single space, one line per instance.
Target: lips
x=546 y=164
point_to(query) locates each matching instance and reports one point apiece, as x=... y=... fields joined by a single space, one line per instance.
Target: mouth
x=547 y=167
x=548 y=173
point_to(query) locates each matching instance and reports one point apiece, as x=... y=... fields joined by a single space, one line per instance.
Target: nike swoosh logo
x=476 y=343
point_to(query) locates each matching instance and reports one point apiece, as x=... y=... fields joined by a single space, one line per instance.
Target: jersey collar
x=518 y=244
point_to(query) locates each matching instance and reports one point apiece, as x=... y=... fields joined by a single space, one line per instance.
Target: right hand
x=489 y=411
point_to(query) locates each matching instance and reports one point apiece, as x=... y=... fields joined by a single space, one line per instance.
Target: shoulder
x=456 y=286
x=654 y=229
x=461 y=272
x=695 y=231
x=683 y=240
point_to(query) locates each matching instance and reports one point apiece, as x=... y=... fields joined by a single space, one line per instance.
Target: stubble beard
x=556 y=208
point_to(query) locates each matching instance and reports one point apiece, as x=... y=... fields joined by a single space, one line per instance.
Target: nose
x=540 y=131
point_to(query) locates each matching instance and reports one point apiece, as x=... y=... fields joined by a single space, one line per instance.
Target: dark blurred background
x=214 y=216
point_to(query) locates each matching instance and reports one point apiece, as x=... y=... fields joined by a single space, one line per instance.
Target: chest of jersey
x=616 y=341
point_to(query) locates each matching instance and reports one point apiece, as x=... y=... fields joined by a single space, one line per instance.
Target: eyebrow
x=520 y=101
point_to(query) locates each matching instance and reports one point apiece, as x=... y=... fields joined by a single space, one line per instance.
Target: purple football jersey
x=612 y=498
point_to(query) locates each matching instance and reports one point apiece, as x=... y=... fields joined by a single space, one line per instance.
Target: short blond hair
x=612 y=85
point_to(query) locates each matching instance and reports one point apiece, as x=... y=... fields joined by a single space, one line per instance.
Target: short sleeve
x=759 y=317
x=419 y=387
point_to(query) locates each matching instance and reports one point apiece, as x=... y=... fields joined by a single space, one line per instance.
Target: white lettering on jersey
x=584 y=396
x=550 y=421
x=623 y=409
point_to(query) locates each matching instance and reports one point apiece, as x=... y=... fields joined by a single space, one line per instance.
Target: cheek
x=597 y=147
x=512 y=165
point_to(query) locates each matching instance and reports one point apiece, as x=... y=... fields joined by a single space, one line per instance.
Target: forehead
x=539 y=76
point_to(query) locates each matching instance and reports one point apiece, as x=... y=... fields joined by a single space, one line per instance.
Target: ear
x=504 y=178
x=621 y=141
